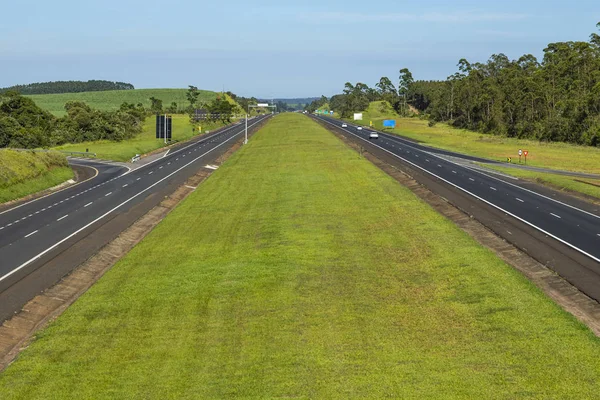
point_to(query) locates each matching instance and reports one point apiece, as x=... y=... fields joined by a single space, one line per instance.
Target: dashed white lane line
x=518 y=199
x=125 y=185
x=150 y=173
x=88 y=204
x=63 y=217
x=108 y=194
x=472 y=180
x=427 y=159
x=557 y=216
x=138 y=179
x=493 y=188
x=32 y=233
x=440 y=165
x=453 y=172
x=168 y=163
x=161 y=167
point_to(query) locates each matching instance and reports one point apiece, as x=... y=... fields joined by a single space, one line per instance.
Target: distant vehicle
x=344 y=125
x=373 y=135
x=359 y=128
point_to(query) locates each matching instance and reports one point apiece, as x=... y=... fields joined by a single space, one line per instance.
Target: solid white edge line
x=26 y=263
x=481 y=199
x=53 y=193
x=401 y=140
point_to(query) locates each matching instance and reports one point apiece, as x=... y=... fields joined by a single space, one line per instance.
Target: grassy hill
x=23 y=172
x=112 y=99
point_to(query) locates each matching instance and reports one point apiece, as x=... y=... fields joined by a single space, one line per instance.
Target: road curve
x=34 y=230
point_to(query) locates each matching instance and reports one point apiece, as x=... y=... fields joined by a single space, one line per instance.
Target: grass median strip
x=301 y=270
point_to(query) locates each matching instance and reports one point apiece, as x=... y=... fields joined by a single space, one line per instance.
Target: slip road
x=33 y=233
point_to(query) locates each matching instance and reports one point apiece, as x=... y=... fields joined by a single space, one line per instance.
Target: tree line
x=25 y=125
x=68 y=87
x=555 y=99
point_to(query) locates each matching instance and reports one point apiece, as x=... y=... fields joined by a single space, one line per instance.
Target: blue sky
x=269 y=48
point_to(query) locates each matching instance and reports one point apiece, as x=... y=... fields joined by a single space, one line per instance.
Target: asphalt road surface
x=33 y=232
x=577 y=228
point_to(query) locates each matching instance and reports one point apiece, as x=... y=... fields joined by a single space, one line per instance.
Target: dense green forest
x=555 y=99
x=68 y=87
x=24 y=125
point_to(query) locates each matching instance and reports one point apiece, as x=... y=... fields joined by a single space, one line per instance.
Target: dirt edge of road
x=554 y=286
x=18 y=332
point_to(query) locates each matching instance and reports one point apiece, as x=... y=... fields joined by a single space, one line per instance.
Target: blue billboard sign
x=389 y=123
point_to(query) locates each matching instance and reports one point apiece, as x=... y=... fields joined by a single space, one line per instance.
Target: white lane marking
x=166 y=153
x=471 y=179
x=493 y=188
x=488 y=202
x=138 y=179
x=108 y=194
x=518 y=199
x=1 y=227
x=557 y=216
x=427 y=159
x=62 y=217
x=150 y=173
x=161 y=167
x=30 y=215
x=26 y=263
x=125 y=185
x=88 y=204
x=439 y=165
x=453 y=172
x=7 y=225
x=32 y=233
x=53 y=193
x=168 y=163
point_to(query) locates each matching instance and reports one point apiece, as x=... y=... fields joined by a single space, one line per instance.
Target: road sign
x=508 y=160
x=389 y=123
x=358 y=116
x=520 y=152
x=164 y=127
x=525 y=153
x=262 y=105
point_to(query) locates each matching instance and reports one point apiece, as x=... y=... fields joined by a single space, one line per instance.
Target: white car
x=344 y=125
x=359 y=128
x=373 y=135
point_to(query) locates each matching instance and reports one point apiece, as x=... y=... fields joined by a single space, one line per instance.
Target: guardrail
x=71 y=153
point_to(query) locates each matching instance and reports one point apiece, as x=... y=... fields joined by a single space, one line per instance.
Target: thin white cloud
x=455 y=17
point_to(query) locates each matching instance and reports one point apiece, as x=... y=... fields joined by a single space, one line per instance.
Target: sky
x=273 y=49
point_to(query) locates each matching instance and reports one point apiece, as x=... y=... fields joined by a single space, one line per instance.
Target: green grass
x=561 y=182
x=301 y=270
x=23 y=173
x=560 y=156
x=112 y=99
x=142 y=143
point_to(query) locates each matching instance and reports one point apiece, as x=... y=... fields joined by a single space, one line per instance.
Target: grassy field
x=141 y=144
x=24 y=173
x=112 y=99
x=561 y=156
x=300 y=270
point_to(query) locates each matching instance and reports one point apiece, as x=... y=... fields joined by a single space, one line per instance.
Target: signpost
x=358 y=116
x=520 y=154
x=259 y=105
x=164 y=127
x=525 y=154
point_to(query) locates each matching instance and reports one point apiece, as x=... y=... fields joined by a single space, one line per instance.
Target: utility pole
x=259 y=105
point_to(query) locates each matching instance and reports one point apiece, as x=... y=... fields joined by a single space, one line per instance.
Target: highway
x=35 y=231
x=577 y=228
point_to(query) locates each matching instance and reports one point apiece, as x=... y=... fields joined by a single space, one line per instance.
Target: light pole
x=259 y=105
